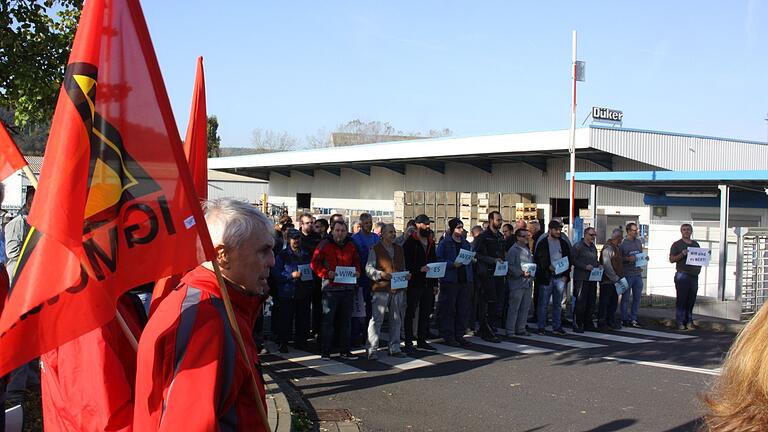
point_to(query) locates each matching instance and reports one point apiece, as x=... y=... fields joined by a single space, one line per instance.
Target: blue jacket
x=446 y=251
x=282 y=284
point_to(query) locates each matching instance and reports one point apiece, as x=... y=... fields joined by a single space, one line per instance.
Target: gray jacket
x=15 y=233
x=581 y=256
x=516 y=257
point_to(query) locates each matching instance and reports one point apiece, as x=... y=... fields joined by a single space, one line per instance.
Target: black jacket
x=541 y=257
x=309 y=242
x=416 y=258
x=488 y=246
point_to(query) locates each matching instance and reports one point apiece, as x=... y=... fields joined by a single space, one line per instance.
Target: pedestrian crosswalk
x=479 y=349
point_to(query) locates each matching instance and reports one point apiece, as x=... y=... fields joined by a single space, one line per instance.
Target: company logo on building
x=607 y=115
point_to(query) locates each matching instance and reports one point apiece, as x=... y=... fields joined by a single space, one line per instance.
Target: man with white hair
x=190 y=374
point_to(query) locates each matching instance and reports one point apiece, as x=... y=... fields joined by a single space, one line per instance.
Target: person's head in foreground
x=242 y=241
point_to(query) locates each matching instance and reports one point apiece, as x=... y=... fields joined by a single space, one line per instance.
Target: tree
x=214 y=140
x=267 y=141
x=35 y=41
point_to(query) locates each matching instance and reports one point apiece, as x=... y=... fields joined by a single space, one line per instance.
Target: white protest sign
x=399 y=280
x=698 y=257
x=562 y=265
x=306 y=272
x=345 y=275
x=641 y=259
x=436 y=270
x=530 y=268
x=465 y=256
x=501 y=268
x=596 y=275
x=621 y=286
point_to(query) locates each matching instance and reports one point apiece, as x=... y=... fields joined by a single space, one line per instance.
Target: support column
x=593 y=204
x=725 y=192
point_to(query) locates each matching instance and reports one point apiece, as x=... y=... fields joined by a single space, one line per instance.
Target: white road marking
x=667 y=366
x=613 y=337
x=313 y=361
x=461 y=353
x=665 y=335
x=562 y=341
x=511 y=346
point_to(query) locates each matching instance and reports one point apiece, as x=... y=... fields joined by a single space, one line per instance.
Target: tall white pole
x=572 y=146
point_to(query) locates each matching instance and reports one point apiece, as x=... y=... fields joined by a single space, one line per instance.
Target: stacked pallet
x=526 y=211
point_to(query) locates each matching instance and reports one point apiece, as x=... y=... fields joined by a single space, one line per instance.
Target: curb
x=278 y=409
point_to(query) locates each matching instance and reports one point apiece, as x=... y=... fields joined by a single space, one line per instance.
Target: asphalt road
x=600 y=384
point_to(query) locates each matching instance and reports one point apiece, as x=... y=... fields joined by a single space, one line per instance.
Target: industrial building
x=365 y=177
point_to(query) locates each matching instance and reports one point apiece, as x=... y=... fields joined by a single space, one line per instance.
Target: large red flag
x=196 y=151
x=11 y=159
x=116 y=207
x=196 y=143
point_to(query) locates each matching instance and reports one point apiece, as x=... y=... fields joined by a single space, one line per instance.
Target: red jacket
x=87 y=383
x=190 y=373
x=328 y=255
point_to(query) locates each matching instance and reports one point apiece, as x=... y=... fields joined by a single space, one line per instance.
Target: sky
x=477 y=68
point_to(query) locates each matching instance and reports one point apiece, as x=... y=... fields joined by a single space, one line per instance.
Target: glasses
x=591 y=234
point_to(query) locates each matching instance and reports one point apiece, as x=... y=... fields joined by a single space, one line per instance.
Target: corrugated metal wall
x=246 y=191
x=681 y=152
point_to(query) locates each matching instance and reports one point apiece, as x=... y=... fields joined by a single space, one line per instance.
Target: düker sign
x=607 y=115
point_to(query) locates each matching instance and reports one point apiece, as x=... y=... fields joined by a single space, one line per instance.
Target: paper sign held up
x=436 y=270
x=698 y=256
x=345 y=275
x=306 y=272
x=596 y=275
x=465 y=256
x=501 y=268
x=562 y=265
x=399 y=280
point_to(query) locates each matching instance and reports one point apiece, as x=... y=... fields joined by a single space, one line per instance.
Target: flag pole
x=572 y=143
x=30 y=176
x=240 y=343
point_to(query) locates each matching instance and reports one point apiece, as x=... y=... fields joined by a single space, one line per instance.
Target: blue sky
x=477 y=68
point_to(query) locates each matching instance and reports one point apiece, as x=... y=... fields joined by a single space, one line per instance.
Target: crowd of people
x=499 y=280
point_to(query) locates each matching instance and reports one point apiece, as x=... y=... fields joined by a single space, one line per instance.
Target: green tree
x=35 y=41
x=214 y=140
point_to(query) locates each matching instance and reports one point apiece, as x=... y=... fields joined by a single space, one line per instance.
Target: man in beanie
x=455 y=286
x=490 y=249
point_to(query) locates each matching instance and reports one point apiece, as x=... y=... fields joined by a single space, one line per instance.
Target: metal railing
x=752 y=270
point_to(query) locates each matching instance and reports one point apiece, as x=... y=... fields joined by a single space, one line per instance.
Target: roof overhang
x=533 y=149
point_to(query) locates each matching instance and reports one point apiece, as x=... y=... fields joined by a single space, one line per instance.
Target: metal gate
x=752 y=269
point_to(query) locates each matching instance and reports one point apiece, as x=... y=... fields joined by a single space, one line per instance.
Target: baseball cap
x=422 y=219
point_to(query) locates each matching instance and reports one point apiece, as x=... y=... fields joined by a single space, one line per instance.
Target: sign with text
x=465 y=256
x=622 y=286
x=608 y=115
x=698 y=256
x=562 y=265
x=501 y=268
x=530 y=268
x=596 y=275
x=399 y=280
x=306 y=272
x=436 y=270
x=345 y=275
x=641 y=260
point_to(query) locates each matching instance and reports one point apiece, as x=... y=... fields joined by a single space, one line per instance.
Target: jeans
x=393 y=305
x=285 y=312
x=420 y=297
x=584 y=292
x=609 y=300
x=687 y=287
x=635 y=290
x=517 y=310
x=555 y=291
x=336 y=303
x=453 y=309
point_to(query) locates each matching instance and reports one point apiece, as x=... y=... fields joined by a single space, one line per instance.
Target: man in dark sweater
x=686 y=278
x=550 y=250
x=584 y=254
x=419 y=250
x=490 y=249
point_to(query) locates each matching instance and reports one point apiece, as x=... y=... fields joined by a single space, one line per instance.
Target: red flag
x=11 y=159
x=196 y=143
x=116 y=206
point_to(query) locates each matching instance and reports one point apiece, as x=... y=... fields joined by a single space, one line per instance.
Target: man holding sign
x=686 y=278
x=338 y=254
x=490 y=249
x=630 y=248
x=419 y=250
x=291 y=282
x=586 y=273
x=550 y=250
x=520 y=283
x=386 y=268
x=455 y=286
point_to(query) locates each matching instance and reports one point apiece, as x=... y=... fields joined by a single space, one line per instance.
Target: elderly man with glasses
x=630 y=247
x=584 y=290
